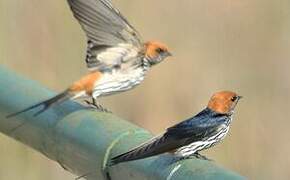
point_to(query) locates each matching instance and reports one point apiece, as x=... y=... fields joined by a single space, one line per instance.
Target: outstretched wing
x=105 y=28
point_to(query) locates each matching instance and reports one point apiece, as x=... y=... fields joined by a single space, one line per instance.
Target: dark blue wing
x=193 y=129
x=202 y=125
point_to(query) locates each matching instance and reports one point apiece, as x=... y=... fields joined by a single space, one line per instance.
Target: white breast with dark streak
x=120 y=80
x=204 y=144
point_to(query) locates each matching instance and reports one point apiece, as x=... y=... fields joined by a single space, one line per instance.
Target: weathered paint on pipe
x=81 y=139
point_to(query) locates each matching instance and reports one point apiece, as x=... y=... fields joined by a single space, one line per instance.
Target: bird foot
x=198 y=156
x=97 y=106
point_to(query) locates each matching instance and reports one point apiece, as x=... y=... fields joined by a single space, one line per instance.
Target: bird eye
x=234 y=98
x=159 y=50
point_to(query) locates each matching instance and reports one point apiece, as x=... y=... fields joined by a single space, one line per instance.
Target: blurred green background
x=240 y=45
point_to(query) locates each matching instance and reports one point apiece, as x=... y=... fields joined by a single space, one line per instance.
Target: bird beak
x=167 y=54
x=235 y=104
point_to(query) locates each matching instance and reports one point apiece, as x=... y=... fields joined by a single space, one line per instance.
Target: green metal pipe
x=82 y=140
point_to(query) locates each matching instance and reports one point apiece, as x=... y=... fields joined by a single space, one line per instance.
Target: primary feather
x=105 y=28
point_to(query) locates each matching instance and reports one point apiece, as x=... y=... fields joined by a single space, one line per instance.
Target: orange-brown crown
x=153 y=49
x=223 y=102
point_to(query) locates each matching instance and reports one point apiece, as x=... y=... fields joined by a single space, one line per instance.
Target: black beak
x=167 y=54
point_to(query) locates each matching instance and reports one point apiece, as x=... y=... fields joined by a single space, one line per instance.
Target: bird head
x=156 y=52
x=224 y=102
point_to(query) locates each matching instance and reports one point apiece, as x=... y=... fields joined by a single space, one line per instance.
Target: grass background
x=240 y=45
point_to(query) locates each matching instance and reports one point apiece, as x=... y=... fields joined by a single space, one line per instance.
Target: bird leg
x=94 y=104
x=199 y=156
x=196 y=155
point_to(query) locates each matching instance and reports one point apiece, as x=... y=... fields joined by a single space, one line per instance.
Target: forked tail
x=46 y=104
x=154 y=146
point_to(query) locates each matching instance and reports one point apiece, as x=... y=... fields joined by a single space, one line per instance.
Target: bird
x=187 y=138
x=116 y=57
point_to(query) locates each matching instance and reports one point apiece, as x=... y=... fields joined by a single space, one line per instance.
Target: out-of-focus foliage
x=240 y=45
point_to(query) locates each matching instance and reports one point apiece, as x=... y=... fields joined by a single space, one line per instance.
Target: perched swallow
x=117 y=58
x=187 y=138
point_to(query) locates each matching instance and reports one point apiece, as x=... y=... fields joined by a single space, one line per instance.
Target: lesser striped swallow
x=117 y=58
x=191 y=136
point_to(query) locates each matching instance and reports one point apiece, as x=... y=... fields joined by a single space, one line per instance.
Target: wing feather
x=204 y=124
x=155 y=146
x=104 y=26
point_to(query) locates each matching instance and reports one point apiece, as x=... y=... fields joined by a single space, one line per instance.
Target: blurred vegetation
x=235 y=45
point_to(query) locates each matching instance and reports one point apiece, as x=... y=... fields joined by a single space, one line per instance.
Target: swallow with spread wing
x=117 y=58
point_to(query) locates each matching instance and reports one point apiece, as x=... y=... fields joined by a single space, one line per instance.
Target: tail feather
x=46 y=104
x=153 y=147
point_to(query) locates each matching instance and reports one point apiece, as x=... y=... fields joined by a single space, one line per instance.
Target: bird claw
x=202 y=157
x=198 y=156
x=95 y=105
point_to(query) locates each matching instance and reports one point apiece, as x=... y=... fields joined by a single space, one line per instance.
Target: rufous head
x=156 y=52
x=224 y=102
